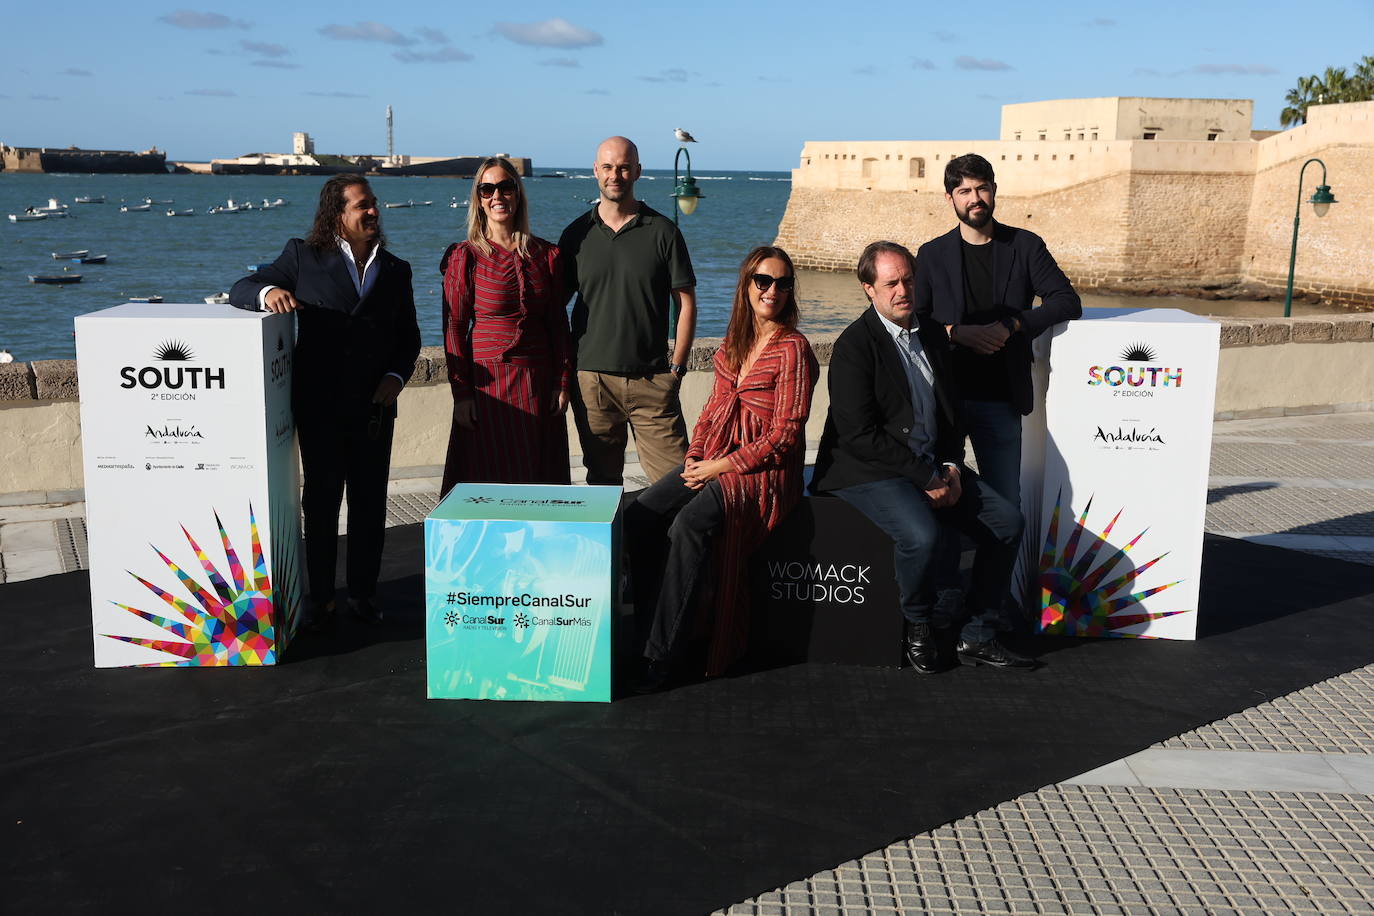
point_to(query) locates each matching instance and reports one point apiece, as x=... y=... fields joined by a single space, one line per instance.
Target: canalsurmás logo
x=1136 y=381
x=172 y=382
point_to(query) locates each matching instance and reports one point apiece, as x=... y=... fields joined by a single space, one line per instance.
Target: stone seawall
x=1268 y=367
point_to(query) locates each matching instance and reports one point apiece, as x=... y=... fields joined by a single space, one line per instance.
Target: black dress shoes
x=366 y=610
x=657 y=676
x=321 y=619
x=923 y=648
x=992 y=653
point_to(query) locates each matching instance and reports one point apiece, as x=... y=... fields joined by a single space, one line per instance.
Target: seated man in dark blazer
x=356 y=343
x=893 y=448
x=980 y=281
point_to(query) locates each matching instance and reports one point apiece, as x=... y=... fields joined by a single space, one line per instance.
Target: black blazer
x=344 y=345
x=1022 y=268
x=871 y=413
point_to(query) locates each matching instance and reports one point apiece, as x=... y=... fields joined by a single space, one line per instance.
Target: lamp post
x=1321 y=201
x=685 y=197
x=685 y=191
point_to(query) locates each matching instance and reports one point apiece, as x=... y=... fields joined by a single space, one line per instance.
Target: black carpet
x=330 y=784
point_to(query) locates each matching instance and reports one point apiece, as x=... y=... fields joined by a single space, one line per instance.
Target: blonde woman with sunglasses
x=506 y=339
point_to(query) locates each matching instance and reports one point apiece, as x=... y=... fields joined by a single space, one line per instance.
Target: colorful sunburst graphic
x=231 y=625
x=1073 y=599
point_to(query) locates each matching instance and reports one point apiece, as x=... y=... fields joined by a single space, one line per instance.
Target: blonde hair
x=477 y=217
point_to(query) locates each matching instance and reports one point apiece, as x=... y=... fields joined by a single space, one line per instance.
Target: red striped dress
x=509 y=349
x=757 y=423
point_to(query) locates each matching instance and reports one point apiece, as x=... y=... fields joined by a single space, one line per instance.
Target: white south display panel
x=1117 y=543
x=192 y=495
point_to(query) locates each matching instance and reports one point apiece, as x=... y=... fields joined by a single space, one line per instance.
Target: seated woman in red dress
x=507 y=342
x=742 y=475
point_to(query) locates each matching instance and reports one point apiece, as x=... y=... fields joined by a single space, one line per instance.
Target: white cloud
x=366 y=31
x=964 y=62
x=551 y=33
x=265 y=48
x=448 y=55
x=190 y=19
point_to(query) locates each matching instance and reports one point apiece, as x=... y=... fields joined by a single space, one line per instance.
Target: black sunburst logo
x=173 y=351
x=1139 y=353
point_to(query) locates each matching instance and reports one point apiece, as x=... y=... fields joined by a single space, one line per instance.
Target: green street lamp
x=685 y=197
x=685 y=190
x=1321 y=201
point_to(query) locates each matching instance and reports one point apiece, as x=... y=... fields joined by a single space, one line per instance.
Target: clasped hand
x=697 y=474
x=985 y=339
x=946 y=495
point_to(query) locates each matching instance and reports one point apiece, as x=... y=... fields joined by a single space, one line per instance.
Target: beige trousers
x=649 y=404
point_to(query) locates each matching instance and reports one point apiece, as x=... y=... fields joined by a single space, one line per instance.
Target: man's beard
x=978 y=220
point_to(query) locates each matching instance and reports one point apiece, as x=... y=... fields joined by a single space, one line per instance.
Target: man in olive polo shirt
x=626 y=261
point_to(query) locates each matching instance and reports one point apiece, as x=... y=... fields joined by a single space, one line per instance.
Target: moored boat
x=70 y=255
x=54 y=279
x=399 y=205
x=145 y=298
x=27 y=217
x=93 y=259
x=181 y=212
x=98 y=199
x=135 y=208
x=217 y=299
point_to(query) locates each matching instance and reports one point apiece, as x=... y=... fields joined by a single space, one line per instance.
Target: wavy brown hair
x=325 y=231
x=477 y=217
x=739 y=336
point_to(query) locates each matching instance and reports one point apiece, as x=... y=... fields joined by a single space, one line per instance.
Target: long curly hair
x=325 y=231
x=739 y=336
x=477 y=217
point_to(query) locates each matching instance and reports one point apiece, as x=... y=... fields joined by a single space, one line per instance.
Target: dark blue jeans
x=904 y=512
x=994 y=432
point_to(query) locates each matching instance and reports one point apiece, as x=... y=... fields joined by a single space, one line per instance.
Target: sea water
x=186 y=258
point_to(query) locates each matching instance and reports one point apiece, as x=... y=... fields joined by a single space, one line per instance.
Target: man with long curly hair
x=356 y=343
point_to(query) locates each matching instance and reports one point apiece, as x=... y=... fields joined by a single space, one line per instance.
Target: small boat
x=150 y=202
x=145 y=298
x=93 y=259
x=217 y=299
x=273 y=204
x=52 y=208
x=135 y=208
x=54 y=279
x=422 y=203
x=70 y=255
x=27 y=217
x=100 y=199
x=254 y=268
x=455 y=203
x=554 y=175
x=181 y=212
x=400 y=205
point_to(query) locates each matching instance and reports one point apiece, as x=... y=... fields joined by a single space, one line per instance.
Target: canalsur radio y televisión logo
x=172 y=381
x=1136 y=378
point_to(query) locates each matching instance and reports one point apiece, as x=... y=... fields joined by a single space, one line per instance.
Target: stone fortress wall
x=1121 y=212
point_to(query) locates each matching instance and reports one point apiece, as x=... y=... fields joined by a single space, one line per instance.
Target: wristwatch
x=677 y=369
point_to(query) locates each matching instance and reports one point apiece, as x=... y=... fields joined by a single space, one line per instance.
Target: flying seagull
x=683 y=136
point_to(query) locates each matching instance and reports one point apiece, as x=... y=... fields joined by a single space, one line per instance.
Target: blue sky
x=751 y=81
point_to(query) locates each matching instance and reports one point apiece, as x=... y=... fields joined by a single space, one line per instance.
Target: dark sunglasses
x=763 y=282
x=486 y=189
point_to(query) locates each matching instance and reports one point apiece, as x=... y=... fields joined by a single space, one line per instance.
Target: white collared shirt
x=921 y=380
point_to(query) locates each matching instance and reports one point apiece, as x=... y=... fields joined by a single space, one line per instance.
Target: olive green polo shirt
x=624 y=282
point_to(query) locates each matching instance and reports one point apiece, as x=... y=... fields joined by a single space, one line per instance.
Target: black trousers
x=670 y=528
x=344 y=450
